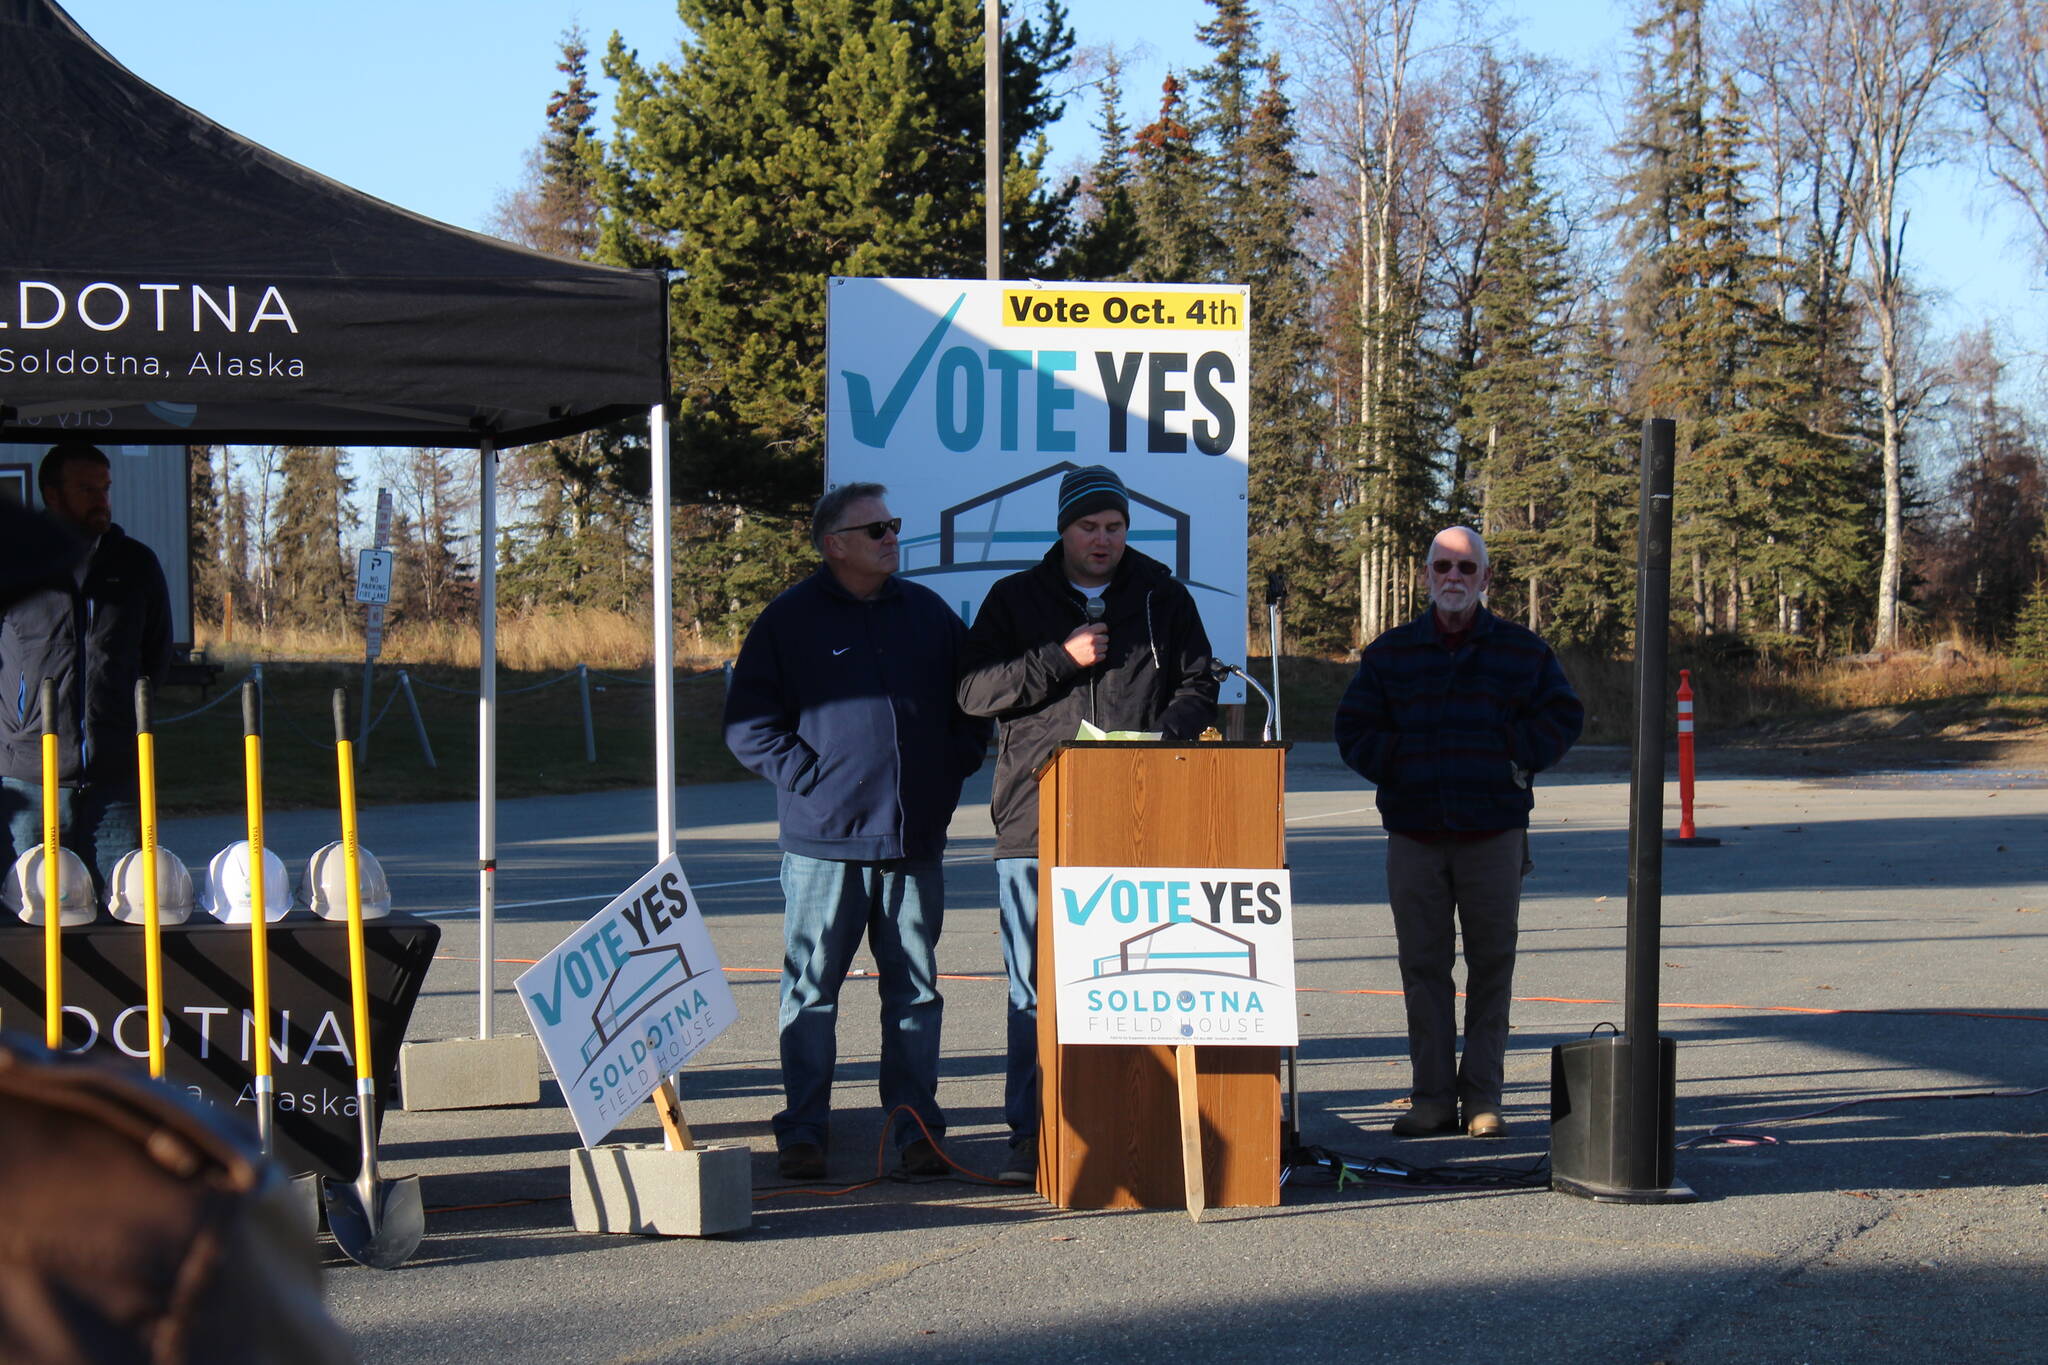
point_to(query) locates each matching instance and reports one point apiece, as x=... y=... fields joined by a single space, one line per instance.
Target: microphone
x=1220 y=670
x=1096 y=609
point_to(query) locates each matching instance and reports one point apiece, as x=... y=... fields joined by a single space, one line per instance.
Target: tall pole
x=1646 y=803
x=992 y=131
x=664 y=639
x=487 y=743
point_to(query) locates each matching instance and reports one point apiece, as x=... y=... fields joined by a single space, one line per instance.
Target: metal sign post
x=373 y=589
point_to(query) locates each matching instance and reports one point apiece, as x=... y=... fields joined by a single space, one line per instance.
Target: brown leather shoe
x=1425 y=1119
x=1486 y=1123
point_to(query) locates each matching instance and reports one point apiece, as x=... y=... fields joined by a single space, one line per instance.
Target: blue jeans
x=1017 y=899
x=95 y=823
x=899 y=906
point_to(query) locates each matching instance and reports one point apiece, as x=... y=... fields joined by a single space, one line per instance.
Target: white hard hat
x=74 y=888
x=226 y=897
x=173 y=888
x=324 y=888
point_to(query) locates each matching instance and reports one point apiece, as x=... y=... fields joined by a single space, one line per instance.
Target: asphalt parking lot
x=1856 y=973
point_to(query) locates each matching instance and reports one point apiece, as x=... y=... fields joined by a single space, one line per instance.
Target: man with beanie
x=1093 y=632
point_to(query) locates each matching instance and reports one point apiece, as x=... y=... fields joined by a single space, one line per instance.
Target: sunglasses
x=875 y=529
x=1463 y=566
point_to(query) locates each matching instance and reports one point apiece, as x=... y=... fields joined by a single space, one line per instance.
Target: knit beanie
x=1095 y=488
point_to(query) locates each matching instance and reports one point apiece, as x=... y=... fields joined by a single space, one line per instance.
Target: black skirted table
x=208 y=1014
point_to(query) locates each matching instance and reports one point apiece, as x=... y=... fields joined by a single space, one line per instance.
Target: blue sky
x=433 y=104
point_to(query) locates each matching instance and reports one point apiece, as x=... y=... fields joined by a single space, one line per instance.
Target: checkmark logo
x=871 y=427
x=1079 y=910
x=837 y=652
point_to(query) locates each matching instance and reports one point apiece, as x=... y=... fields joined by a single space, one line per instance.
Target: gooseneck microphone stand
x=1290 y=1135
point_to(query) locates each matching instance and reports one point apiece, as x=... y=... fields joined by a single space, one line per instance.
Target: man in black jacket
x=94 y=629
x=843 y=698
x=1094 y=632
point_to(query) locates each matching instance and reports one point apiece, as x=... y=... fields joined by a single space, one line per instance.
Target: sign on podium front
x=1174 y=955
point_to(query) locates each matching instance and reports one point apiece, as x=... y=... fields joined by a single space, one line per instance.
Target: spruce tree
x=1170 y=191
x=1514 y=391
x=313 y=579
x=2030 y=634
x=792 y=142
x=1107 y=243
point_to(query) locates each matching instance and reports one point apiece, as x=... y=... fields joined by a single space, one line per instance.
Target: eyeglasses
x=875 y=529
x=1463 y=566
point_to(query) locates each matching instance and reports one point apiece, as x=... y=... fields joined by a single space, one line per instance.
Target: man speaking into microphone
x=1093 y=632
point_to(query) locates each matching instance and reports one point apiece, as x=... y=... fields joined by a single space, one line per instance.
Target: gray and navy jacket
x=1017 y=669
x=94 y=640
x=1452 y=738
x=846 y=705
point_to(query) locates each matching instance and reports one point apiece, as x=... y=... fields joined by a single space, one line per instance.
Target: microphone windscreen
x=1097 y=608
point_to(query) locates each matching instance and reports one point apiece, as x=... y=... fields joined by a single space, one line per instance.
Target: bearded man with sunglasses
x=1451 y=716
x=843 y=698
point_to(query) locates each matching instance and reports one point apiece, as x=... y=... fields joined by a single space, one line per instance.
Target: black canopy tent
x=165 y=280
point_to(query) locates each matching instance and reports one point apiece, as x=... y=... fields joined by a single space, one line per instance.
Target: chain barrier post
x=419 y=725
x=589 y=729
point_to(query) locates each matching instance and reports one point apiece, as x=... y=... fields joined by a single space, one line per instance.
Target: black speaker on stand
x=1611 y=1134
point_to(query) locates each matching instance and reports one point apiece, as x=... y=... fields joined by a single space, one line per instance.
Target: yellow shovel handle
x=358 y=955
x=152 y=921
x=259 y=941
x=53 y=929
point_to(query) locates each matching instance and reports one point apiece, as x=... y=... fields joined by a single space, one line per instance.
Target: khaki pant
x=1439 y=891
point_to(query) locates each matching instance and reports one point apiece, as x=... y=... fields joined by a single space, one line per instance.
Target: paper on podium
x=1090 y=731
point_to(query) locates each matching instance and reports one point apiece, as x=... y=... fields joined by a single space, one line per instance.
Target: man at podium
x=1096 y=632
x=1451 y=716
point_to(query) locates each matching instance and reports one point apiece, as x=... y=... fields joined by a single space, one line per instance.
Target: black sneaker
x=922 y=1158
x=1020 y=1167
x=801 y=1161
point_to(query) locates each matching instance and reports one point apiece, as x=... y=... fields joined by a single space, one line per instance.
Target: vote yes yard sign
x=627 y=999
x=1174 y=955
x=971 y=398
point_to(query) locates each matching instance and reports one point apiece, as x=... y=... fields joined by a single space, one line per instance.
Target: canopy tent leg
x=484 y=1071
x=664 y=638
x=487 y=743
x=665 y=1102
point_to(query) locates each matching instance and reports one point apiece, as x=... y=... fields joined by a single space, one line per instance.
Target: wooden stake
x=672 y=1121
x=1190 y=1129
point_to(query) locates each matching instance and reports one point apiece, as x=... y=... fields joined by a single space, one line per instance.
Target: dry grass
x=535 y=641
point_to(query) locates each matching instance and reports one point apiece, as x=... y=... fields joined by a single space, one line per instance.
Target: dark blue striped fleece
x=1451 y=738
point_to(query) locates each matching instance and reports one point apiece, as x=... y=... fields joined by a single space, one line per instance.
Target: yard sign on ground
x=627 y=999
x=1174 y=955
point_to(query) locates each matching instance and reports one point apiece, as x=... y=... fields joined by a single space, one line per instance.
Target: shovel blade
x=381 y=1229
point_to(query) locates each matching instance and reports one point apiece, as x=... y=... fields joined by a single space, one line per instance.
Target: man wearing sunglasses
x=1451 y=716
x=843 y=698
x=1095 y=631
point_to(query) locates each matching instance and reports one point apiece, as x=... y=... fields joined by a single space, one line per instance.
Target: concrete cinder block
x=470 y=1073
x=645 y=1188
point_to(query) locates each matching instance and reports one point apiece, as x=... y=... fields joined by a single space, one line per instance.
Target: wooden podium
x=1110 y=1135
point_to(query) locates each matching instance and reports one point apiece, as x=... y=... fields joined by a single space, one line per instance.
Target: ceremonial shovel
x=53 y=899
x=376 y=1223
x=305 y=1201
x=152 y=915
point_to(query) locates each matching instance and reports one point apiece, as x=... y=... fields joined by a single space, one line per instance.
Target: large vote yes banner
x=970 y=399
